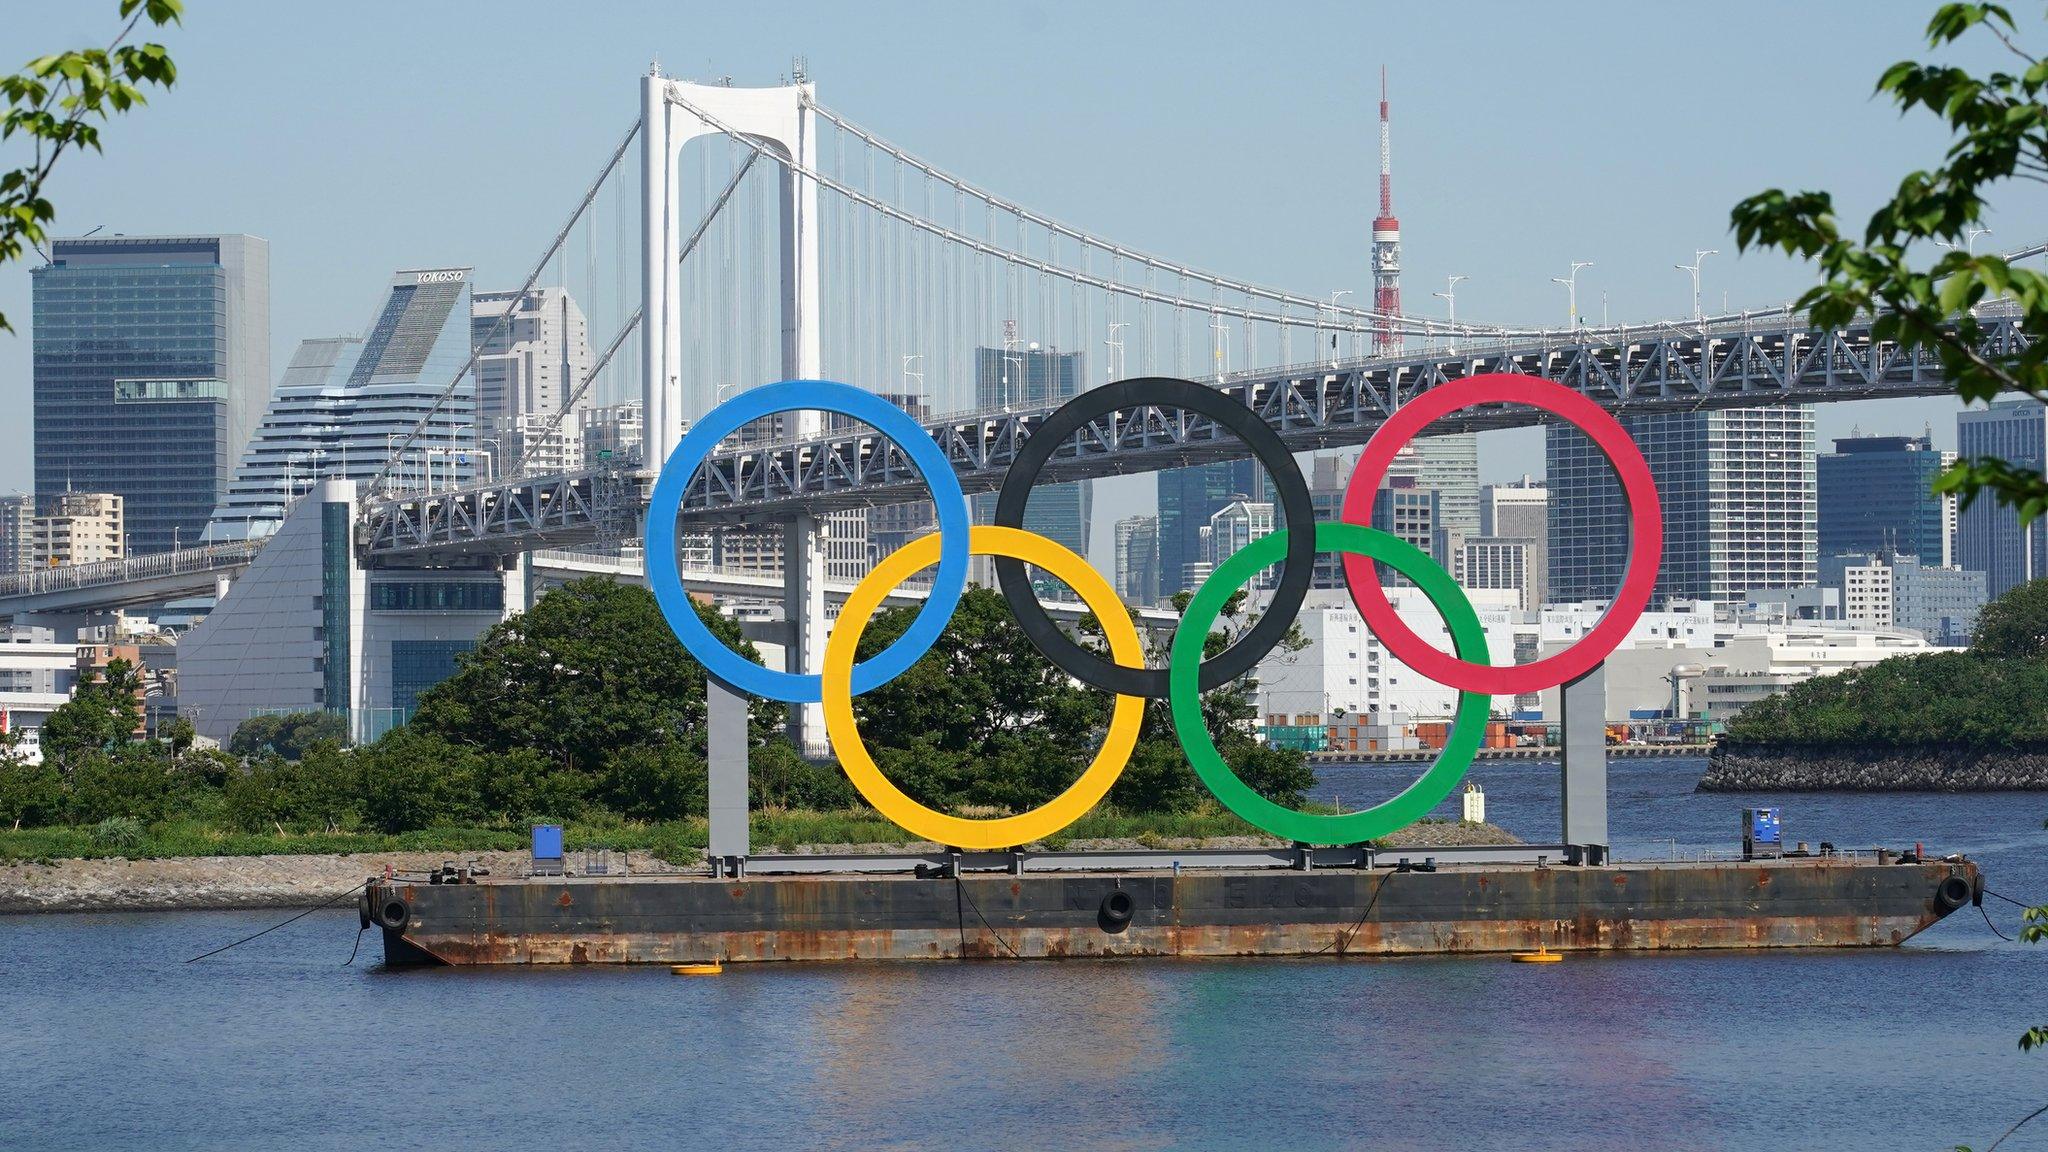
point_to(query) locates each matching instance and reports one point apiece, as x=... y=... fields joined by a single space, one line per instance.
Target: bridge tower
x=674 y=112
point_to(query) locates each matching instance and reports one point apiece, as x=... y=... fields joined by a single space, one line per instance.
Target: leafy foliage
x=984 y=721
x=2000 y=127
x=104 y=710
x=1993 y=696
x=290 y=736
x=60 y=101
x=589 y=670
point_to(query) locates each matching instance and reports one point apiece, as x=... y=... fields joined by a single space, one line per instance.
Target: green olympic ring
x=1468 y=725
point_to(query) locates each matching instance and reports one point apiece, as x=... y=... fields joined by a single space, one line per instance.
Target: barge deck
x=1372 y=909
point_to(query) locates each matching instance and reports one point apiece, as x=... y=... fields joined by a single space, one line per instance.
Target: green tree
x=2014 y=626
x=104 y=710
x=30 y=794
x=179 y=733
x=1999 y=127
x=984 y=720
x=128 y=780
x=289 y=736
x=59 y=102
x=591 y=668
x=2000 y=130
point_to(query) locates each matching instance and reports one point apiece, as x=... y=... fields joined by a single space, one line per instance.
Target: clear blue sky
x=366 y=136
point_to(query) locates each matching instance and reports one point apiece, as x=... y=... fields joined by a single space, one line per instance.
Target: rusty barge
x=1315 y=902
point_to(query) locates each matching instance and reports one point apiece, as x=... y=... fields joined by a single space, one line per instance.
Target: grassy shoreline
x=679 y=842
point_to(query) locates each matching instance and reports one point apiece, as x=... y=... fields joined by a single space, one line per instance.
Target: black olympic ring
x=1297 y=570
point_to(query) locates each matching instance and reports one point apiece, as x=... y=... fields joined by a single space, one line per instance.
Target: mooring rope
x=282 y=923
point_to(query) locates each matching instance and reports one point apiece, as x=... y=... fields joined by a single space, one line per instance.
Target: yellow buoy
x=711 y=969
x=1542 y=955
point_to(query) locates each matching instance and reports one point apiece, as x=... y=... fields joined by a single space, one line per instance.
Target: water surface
x=110 y=1041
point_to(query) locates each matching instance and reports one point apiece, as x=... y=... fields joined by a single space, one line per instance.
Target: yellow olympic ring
x=931 y=824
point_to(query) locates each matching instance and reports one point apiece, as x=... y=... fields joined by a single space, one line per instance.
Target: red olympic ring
x=1646 y=534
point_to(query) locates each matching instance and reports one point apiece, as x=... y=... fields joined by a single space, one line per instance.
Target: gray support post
x=803 y=606
x=726 y=755
x=1582 y=711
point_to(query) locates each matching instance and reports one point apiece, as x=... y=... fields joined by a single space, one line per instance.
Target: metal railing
x=182 y=561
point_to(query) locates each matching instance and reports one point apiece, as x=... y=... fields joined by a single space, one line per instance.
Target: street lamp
x=1450 y=298
x=1007 y=361
x=1698 y=255
x=1113 y=358
x=1334 y=297
x=1222 y=331
x=908 y=374
x=1969 y=246
x=1571 y=287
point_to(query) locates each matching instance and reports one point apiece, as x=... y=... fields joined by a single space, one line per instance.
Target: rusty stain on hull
x=1464 y=909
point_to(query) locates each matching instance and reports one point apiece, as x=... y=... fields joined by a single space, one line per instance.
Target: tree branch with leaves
x=58 y=103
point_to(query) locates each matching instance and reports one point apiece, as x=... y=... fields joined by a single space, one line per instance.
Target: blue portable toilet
x=547 y=849
x=1763 y=833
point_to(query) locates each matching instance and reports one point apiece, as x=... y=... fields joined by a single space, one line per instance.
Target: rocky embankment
x=1794 y=768
x=116 y=884
x=214 y=882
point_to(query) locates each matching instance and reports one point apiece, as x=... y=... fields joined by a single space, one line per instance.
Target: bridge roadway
x=1664 y=368
x=203 y=571
x=556 y=567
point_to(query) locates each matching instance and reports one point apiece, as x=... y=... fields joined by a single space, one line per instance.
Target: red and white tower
x=1386 y=243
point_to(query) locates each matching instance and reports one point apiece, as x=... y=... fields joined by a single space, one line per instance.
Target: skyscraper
x=1415 y=514
x=1449 y=465
x=1520 y=511
x=1032 y=377
x=1234 y=527
x=537 y=358
x=1876 y=495
x=346 y=402
x=1187 y=498
x=152 y=363
x=17 y=534
x=1737 y=492
x=1137 y=559
x=1989 y=538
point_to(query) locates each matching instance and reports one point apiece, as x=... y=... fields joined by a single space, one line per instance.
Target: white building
x=1346 y=667
x=79 y=528
x=17 y=534
x=533 y=354
x=281 y=640
x=345 y=402
x=1718 y=663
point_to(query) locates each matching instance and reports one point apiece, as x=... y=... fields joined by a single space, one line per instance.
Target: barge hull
x=1376 y=912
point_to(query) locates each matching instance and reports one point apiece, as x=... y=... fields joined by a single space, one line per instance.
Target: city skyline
x=1311 y=234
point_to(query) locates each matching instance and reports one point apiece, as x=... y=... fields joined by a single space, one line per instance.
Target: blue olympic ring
x=948 y=582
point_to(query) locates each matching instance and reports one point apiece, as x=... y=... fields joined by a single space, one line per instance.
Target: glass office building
x=151 y=367
x=1737 y=491
x=1877 y=495
x=1989 y=537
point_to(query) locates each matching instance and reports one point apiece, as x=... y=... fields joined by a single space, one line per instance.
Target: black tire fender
x=1118 y=906
x=1952 y=893
x=394 y=913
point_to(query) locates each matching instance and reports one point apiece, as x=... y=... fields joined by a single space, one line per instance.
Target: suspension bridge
x=736 y=236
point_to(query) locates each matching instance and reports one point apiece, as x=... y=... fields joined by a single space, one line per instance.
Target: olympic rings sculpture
x=1188 y=674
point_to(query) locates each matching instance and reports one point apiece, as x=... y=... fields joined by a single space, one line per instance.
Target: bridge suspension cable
x=377 y=483
x=690 y=245
x=1021 y=259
